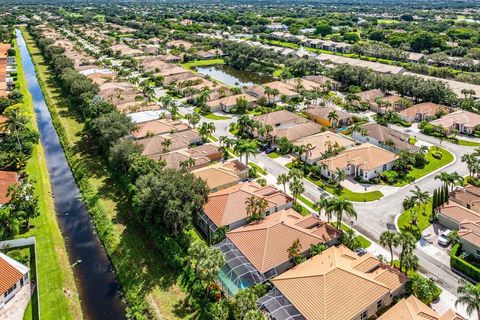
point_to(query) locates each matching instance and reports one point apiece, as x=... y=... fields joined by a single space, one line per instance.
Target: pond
x=233 y=77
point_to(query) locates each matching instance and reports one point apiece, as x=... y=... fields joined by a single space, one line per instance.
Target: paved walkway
x=15 y=308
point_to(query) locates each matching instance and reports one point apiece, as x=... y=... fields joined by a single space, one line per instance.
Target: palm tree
x=340 y=206
x=246 y=148
x=166 y=144
x=340 y=175
x=387 y=239
x=206 y=129
x=469 y=295
x=410 y=261
x=333 y=119
x=251 y=205
x=407 y=242
x=470 y=160
x=307 y=151
x=324 y=204
x=449 y=179
x=283 y=179
x=296 y=188
x=15 y=123
x=193 y=119
x=420 y=197
x=362 y=131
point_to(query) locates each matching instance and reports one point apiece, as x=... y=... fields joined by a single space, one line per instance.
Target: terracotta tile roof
x=10 y=272
x=321 y=141
x=316 y=111
x=470 y=231
x=283 y=89
x=216 y=177
x=227 y=206
x=157 y=127
x=382 y=133
x=278 y=117
x=428 y=109
x=365 y=156
x=4 y=47
x=7 y=178
x=265 y=243
x=414 y=309
x=466 y=118
x=153 y=147
x=370 y=95
x=341 y=284
x=321 y=79
x=458 y=213
x=469 y=194
x=230 y=100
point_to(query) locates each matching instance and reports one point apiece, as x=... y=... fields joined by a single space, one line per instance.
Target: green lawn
x=202 y=63
x=139 y=271
x=468 y=143
x=387 y=21
x=348 y=194
x=282 y=44
x=58 y=292
x=307 y=202
x=432 y=165
x=258 y=168
x=364 y=242
x=423 y=223
x=213 y=116
x=274 y=155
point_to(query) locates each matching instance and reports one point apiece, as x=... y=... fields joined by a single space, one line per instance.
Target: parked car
x=443 y=239
x=360 y=251
x=264 y=146
x=270 y=150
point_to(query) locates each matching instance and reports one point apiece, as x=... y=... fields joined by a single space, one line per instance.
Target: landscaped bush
x=437 y=154
x=390 y=176
x=457 y=263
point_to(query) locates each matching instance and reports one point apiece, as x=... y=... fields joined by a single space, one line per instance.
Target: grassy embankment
x=140 y=273
x=58 y=294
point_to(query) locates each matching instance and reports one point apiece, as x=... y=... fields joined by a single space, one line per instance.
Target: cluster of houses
x=7 y=66
x=462 y=213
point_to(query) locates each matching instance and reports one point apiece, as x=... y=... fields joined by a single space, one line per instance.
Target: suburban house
x=391 y=101
x=284 y=90
x=412 y=308
x=369 y=96
x=422 y=111
x=226 y=104
x=180 y=44
x=259 y=250
x=155 y=146
x=320 y=143
x=324 y=81
x=351 y=287
x=227 y=207
x=7 y=178
x=287 y=124
x=321 y=114
x=366 y=161
x=4 y=47
x=465 y=221
x=462 y=121
x=157 y=127
x=385 y=137
x=14 y=277
x=124 y=50
x=202 y=156
x=223 y=175
x=468 y=197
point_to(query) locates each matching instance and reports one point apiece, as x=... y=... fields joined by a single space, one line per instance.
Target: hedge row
x=463 y=266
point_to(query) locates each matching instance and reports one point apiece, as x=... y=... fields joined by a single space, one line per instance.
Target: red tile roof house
x=259 y=250
x=227 y=207
x=7 y=178
x=421 y=111
x=13 y=277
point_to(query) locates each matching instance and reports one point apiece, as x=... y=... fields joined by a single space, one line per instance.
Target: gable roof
x=370 y=95
x=466 y=118
x=227 y=206
x=11 y=272
x=458 y=213
x=265 y=243
x=366 y=156
x=333 y=277
x=428 y=109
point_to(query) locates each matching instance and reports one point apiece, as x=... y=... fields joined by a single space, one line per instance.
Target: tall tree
x=388 y=239
x=340 y=206
x=469 y=296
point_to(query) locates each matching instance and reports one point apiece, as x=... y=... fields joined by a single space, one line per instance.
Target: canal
x=233 y=77
x=98 y=289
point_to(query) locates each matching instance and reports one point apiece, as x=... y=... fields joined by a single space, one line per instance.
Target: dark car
x=360 y=252
x=270 y=150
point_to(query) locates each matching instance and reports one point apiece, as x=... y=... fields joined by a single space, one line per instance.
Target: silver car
x=443 y=239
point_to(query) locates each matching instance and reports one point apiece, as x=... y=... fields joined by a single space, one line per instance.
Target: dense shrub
x=457 y=263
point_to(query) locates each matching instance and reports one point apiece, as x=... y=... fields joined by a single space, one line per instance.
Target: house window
x=384 y=167
x=469 y=206
x=478 y=252
x=328 y=173
x=363 y=316
x=379 y=304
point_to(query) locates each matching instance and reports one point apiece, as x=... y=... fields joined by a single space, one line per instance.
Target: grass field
x=348 y=194
x=274 y=155
x=58 y=293
x=212 y=116
x=468 y=143
x=258 y=168
x=202 y=63
x=423 y=223
x=138 y=269
x=432 y=165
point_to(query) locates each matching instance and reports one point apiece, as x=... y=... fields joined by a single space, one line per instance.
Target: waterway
x=99 y=292
x=233 y=77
